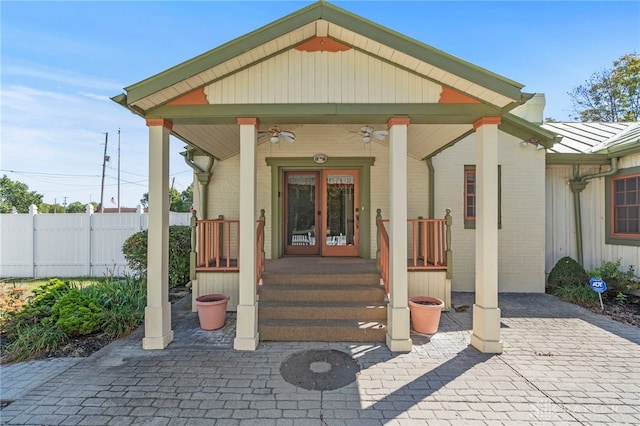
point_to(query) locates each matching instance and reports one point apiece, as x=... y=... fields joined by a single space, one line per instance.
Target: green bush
x=123 y=300
x=61 y=310
x=580 y=294
x=566 y=272
x=114 y=292
x=34 y=340
x=121 y=320
x=135 y=252
x=38 y=308
x=617 y=280
x=76 y=314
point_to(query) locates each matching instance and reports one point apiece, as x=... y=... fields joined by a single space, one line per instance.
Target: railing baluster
x=428 y=244
x=215 y=251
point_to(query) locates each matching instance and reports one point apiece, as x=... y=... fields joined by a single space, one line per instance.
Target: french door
x=321 y=212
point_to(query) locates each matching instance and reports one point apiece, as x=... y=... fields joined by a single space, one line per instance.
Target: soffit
x=222 y=141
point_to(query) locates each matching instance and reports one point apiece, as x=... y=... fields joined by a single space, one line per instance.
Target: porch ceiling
x=222 y=141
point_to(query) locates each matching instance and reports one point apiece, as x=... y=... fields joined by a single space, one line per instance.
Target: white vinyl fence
x=71 y=244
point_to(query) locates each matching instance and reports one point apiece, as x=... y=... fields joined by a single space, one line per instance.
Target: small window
x=470 y=197
x=626 y=206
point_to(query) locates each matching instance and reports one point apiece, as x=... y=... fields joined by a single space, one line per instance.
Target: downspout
x=577 y=184
x=432 y=186
x=203 y=175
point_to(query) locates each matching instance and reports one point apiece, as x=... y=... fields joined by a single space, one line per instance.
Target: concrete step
x=321 y=311
x=321 y=279
x=321 y=331
x=322 y=293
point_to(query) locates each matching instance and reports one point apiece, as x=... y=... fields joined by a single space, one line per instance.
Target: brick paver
x=561 y=365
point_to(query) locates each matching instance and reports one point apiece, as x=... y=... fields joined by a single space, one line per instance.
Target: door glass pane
x=301 y=209
x=340 y=210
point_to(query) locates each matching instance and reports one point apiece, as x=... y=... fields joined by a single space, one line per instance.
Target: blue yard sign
x=599 y=287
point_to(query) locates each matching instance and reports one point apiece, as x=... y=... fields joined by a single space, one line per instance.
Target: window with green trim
x=470 y=197
x=625 y=191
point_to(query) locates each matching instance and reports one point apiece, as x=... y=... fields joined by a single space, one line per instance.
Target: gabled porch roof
x=464 y=92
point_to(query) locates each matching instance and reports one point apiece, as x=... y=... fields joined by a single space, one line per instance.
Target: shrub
x=580 y=294
x=38 y=308
x=12 y=301
x=76 y=314
x=114 y=292
x=617 y=280
x=123 y=301
x=135 y=252
x=34 y=340
x=566 y=272
x=121 y=320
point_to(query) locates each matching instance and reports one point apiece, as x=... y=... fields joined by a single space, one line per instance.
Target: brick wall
x=521 y=240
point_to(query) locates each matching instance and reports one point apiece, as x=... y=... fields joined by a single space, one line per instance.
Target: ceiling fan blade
x=288 y=136
x=380 y=134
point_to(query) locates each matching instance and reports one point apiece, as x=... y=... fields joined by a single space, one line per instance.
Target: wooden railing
x=430 y=246
x=383 y=251
x=260 y=249
x=429 y=250
x=217 y=245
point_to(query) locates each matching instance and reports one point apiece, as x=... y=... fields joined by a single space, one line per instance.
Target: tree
x=76 y=207
x=610 y=95
x=17 y=194
x=179 y=201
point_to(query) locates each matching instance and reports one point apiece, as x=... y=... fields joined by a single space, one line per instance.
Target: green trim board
x=609 y=238
x=560 y=159
x=280 y=164
x=337 y=16
x=329 y=113
x=525 y=130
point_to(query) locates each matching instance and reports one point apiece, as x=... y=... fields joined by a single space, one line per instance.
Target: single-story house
x=593 y=194
x=325 y=135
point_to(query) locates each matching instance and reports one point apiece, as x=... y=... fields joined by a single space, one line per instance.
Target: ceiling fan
x=275 y=133
x=367 y=133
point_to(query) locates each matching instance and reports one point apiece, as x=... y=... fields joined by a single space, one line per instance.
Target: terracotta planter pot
x=425 y=316
x=212 y=309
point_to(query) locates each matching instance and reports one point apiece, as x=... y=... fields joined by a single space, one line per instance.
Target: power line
x=45 y=174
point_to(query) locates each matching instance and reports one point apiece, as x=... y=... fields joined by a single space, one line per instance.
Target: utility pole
x=104 y=164
x=64 y=203
x=173 y=180
x=118 y=170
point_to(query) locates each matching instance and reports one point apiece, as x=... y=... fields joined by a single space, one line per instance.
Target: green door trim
x=278 y=167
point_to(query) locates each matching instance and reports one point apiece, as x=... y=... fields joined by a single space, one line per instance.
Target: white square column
x=157 y=315
x=398 y=324
x=486 y=314
x=247 y=338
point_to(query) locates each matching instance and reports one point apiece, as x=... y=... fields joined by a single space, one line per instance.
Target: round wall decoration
x=320 y=158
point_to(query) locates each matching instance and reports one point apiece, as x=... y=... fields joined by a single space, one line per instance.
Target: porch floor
x=320 y=265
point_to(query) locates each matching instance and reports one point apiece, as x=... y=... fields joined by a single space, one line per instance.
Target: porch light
x=366 y=139
x=539 y=147
x=275 y=139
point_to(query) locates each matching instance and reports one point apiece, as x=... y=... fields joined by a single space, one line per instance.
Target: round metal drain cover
x=319 y=370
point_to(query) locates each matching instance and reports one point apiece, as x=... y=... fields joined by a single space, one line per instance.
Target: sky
x=61 y=62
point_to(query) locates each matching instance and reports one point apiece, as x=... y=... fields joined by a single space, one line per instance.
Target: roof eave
x=526 y=130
